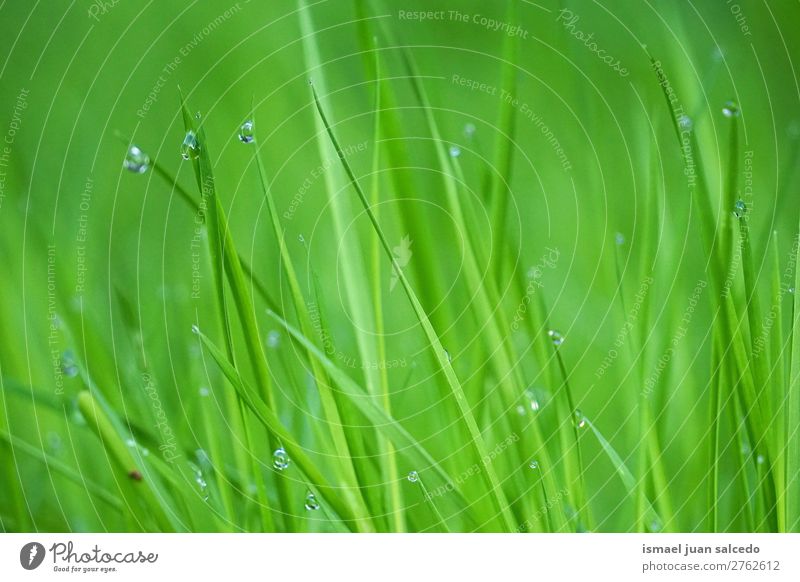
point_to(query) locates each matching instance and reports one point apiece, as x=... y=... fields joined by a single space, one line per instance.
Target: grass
x=400 y=286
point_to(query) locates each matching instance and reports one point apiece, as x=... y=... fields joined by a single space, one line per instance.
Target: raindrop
x=273 y=338
x=455 y=151
x=534 y=465
x=131 y=443
x=469 y=130
x=199 y=479
x=136 y=161
x=580 y=419
x=311 y=502
x=280 y=459
x=791 y=289
x=190 y=148
x=301 y=238
x=413 y=476
x=521 y=410
x=619 y=238
x=685 y=123
x=760 y=459
x=655 y=526
x=448 y=356
x=730 y=109
x=246 y=132
x=555 y=337
x=203 y=391
x=68 y=367
x=195 y=330
x=739 y=209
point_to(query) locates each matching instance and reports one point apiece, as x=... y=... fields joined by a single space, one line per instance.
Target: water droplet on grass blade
x=203 y=391
x=190 y=148
x=195 y=330
x=246 y=132
x=273 y=338
x=580 y=419
x=448 y=356
x=520 y=410
x=555 y=337
x=730 y=109
x=455 y=151
x=685 y=123
x=619 y=238
x=534 y=465
x=280 y=459
x=68 y=366
x=739 y=209
x=469 y=130
x=413 y=476
x=136 y=161
x=311 y=502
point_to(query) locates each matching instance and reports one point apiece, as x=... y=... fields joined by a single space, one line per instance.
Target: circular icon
x=31 y=555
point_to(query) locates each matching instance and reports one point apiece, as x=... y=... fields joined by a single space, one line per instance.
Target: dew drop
x=246 y=132
x=190 y=148
x=555 y=337
x=619 y=238
x=131 y=443
x=685 y=123
x=311 y=502
x=455 y=151
x=760 y=459
x=534 y=465
x=655 y=526
x=200 y=480
x=68 y=366
x=521 y=410
x=195 y=330
x=273 y=339
x=448 y=356
x=739 y=209
x=413 y=476
x=301 y=238
x=280 y=459
x=136 y=161
x=791 y=290
x=580 y=419
x=469 y=130
x=730 y=109
x=203 y=391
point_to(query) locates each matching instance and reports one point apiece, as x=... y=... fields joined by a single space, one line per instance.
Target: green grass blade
x=458 y=393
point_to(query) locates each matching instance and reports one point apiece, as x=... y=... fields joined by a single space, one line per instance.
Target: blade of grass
x=492 y=482
x=226 y=265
